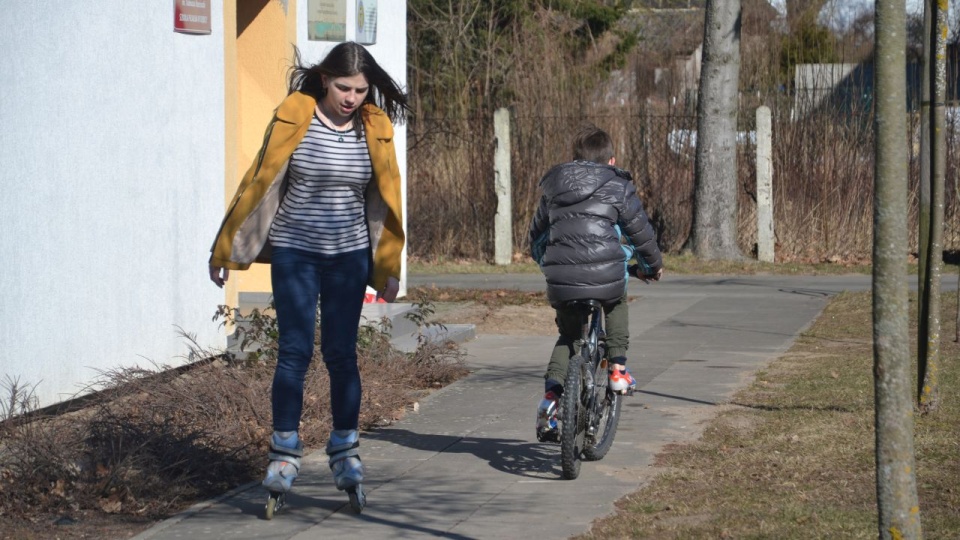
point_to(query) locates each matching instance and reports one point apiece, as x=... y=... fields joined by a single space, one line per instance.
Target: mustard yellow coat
x=242 y=238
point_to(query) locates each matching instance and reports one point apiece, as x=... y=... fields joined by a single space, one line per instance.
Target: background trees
x=632 y=68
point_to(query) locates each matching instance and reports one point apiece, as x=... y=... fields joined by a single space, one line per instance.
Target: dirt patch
x=492 y=311
x=522 y=320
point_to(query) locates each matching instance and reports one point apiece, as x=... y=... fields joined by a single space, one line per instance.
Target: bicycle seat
x=593 y=304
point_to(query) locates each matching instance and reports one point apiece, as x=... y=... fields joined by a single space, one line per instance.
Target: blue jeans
x=299 y=278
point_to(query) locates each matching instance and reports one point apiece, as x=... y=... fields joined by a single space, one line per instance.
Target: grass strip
x=792 y=455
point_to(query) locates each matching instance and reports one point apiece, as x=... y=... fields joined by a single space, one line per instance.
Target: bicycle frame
x=593 y=328
x=589 y=420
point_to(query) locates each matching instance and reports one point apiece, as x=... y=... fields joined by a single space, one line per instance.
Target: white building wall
x=390 y=51
x=815 y=83
x=111 y=183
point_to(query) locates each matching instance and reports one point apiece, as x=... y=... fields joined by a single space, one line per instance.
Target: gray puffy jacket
x=573 y=237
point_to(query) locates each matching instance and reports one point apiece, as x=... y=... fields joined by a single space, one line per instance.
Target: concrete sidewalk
x=468 y=465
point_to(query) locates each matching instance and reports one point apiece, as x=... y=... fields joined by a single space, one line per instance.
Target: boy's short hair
x=592 y=144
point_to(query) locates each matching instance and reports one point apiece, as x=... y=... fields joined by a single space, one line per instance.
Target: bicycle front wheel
x=573 y=418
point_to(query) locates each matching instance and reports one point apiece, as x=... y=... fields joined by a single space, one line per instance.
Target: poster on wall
x=327 y=20
x=191 y=16
x=367 y=22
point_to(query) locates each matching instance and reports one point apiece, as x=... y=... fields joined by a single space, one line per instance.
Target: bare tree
x=799 y=11
x=932 y=181
x=897 y=503
x=714 y=234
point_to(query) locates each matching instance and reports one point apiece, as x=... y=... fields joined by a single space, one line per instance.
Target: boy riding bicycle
x=589 y=224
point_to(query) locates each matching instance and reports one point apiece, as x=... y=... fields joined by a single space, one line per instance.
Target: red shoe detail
x=621 y=381
x=371 y=298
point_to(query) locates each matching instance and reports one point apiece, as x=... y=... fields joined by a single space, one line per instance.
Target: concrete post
x=765 y=237
x=503 y=222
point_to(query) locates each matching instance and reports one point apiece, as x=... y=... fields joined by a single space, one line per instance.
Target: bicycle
x=589 y=410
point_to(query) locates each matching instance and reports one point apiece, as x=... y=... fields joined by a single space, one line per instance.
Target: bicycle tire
x=609 y=412
x=573 y=418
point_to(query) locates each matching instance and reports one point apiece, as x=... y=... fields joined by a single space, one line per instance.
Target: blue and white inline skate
x=285 y=453
x=346 y=466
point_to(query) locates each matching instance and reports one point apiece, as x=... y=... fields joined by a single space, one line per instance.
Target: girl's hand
x=389 y=292
x=219 y=275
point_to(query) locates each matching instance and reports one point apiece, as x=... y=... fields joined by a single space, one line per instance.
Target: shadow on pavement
x=671 y=396
x=411 y=527
x=512 y=456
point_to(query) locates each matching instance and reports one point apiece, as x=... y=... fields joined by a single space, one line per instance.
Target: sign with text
x=366 y=22
x=191 y=16
x=327 y=20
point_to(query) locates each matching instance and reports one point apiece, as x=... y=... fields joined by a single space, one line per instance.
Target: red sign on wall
x=191 y=16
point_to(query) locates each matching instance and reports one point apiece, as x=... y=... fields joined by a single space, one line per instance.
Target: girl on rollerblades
x=321 y=204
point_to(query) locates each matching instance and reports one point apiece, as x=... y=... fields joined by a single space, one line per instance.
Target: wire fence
x=823 y=180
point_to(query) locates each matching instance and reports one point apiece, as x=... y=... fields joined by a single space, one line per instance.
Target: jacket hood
x=570 y=183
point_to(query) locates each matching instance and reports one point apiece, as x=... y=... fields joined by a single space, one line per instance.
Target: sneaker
x=547 y=429
x=622 y=382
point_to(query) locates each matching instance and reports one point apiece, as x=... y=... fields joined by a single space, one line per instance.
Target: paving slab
x=467 y=465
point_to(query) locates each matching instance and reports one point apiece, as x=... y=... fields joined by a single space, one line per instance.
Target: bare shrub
x=16 y=399
x=536 y=63
x=449 y=203
x=38 y=457
x=152 y=441
x=824 y=176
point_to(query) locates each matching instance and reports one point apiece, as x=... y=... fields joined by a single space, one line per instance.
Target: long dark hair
x=346 y=60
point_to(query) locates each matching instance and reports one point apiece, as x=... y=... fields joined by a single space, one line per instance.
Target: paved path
x=468 y=466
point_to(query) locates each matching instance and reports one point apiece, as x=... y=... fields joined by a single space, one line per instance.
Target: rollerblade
x=346 y=466
x=547 y=428
x=282 y=470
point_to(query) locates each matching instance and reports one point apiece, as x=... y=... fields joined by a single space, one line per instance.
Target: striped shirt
x=323 y=208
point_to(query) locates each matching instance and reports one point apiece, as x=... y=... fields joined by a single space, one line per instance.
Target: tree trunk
x=897 y=503
x=931 y=247
x=714 y=231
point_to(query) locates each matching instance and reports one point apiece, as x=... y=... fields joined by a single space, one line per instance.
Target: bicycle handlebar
x=634 y=270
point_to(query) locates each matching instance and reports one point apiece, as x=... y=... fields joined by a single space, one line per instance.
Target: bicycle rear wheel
x=604 y=417
x=573 y=418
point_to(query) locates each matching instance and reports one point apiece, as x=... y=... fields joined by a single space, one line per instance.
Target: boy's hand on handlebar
x=653 y=277
x=634 y=270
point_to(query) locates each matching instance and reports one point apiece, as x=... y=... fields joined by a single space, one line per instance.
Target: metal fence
x=823 y=180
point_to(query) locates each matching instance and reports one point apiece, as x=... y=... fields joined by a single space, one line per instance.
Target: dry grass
x=792 y=455
x=153 y=442
x=684 y=263
x=677 y=264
